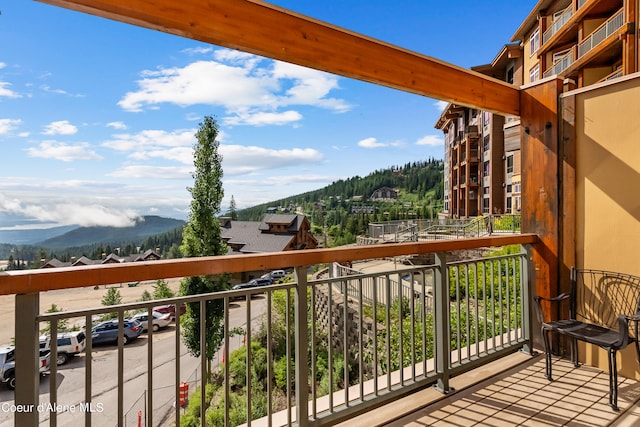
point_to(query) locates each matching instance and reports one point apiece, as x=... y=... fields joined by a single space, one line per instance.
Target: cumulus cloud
x=117 y=125
x=201 y=50
x=86 y=215
x=264 y=118
x=150 y=140
x=153 y=172
x=6 y=92
x=441 y=105
x=251 y=89
x=7 y=125
x=239 y=159
x=431 y=140
x=62 y=127
x=374 y=143
x=64 y=152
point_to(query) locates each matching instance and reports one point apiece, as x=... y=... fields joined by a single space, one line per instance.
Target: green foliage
x=112 y=297
x=62 y=323
x=162 y=290
x=146 y=296
x=191 y=417
x=202 y=237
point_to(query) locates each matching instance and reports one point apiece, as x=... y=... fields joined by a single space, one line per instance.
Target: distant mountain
x=144 y=227
x=32 y=236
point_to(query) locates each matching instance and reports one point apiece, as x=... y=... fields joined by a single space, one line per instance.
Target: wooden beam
x=541 y=183
x=48 y=279
x=266 y=30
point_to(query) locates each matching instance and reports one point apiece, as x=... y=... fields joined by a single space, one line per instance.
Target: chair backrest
x=601 y=296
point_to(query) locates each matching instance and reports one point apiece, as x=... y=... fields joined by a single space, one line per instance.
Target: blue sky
x=97 y=117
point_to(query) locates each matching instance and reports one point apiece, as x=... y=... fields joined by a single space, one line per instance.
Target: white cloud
x=250 y=88
x=264 y=118
x=151 y=140
x=431 y=140
x=202 y=50
x=153 y=172
x=62 y=127
x=2 y=65
x=86 y=215
x=238 y=159
x=7 y=125
x=374 y=143
x=117 y=125
x=64 y=152
x=5 y=91
x=441 y=105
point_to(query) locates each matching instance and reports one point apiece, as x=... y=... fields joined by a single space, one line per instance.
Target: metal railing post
x=302 y=347
x=441 y=314
x=27 y=354
x=526 y=270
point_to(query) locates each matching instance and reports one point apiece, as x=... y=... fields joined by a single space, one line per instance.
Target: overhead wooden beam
x=267 y=30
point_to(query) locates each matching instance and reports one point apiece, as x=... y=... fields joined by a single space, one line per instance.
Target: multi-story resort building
x=584 y=42
x=575 y=129
x=482 y=149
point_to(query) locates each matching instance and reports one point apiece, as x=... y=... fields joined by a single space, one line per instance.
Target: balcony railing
x=347 y=342
x=561 y=64
x=557 y=25
x=603 y=32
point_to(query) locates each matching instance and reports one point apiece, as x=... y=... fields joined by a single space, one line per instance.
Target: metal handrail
x=494 y=291
x=603 y=32
x=557 y=25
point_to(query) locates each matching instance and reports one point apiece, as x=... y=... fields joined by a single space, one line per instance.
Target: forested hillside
x=343 y=210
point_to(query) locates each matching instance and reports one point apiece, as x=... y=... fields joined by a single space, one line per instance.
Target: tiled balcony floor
x=522 y=396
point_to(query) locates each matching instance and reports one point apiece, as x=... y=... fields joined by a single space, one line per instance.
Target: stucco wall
x=607 y=124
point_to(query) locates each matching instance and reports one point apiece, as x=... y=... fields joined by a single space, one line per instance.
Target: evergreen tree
x=232 y=209
x=202 y=237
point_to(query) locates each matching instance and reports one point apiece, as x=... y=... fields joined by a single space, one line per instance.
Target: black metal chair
x=604 y=310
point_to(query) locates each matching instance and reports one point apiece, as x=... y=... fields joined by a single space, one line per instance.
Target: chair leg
x=574 y=353
x=613 y=380
x=547 y=353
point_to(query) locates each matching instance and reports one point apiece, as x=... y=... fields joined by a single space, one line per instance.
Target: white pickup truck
x=8 y=364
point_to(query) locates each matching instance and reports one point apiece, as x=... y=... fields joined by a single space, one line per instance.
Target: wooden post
x=541 y=182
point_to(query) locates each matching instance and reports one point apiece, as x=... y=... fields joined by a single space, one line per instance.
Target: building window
x=509 y=76
x=486 y=190
x=534 y=73
x=534 y=42
x=485 y=143
x=485 y=168
x=516 y=187
x=508 y=204
x=509 y=188
x=509 y=164
x=485 y=205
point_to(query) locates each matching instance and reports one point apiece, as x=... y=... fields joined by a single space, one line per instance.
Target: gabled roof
x=292 y=220
x=55 y=263
x=251 y=237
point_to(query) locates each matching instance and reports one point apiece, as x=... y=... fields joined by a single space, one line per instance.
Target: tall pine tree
x=201 y=237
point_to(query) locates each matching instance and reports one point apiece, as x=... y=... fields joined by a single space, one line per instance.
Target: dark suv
x=107 y=332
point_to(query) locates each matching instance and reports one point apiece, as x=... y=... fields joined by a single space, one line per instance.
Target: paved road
x=70 y=377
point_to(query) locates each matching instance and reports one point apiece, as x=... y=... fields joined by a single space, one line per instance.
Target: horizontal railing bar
x=47 y=279
x=48 y=317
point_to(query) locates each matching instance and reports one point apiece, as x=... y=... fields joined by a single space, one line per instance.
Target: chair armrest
x=538 y=300
x=623 y=332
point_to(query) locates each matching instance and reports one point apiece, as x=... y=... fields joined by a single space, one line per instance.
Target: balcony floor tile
x=522 y=396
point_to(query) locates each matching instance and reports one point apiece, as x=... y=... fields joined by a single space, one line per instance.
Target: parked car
x=253 y=283
x=171 y=309
x=8 y=364
x=69 y=344
x=107 y=332
x=160 y=320
x=277 y=274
